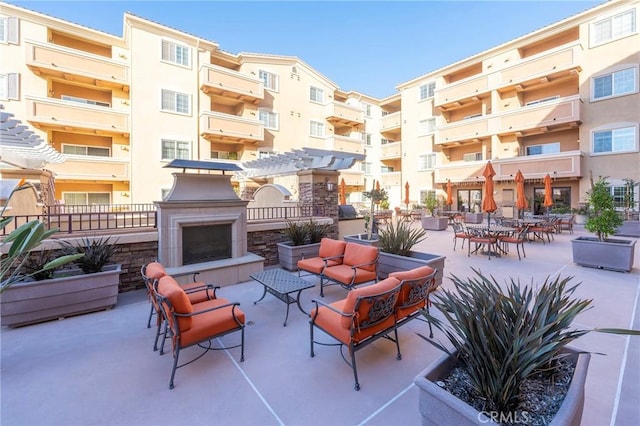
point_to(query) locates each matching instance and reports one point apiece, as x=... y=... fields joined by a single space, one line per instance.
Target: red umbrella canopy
x=343 y=192
x=521 y=200
x=548 y=193
x=406 y=193
x=449 y=193
x=488 y=204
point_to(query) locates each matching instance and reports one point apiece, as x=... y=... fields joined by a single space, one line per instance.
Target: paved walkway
x=99 y=369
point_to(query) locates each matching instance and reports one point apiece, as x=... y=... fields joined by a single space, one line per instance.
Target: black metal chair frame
x=168 y=311
x=521 y=237
x=382 y=306
x=457 y=229
x=420 y=289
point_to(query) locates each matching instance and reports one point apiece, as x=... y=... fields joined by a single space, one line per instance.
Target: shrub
x=297 y=232
x=97 y=253
x=399 y=238
x=603 y=219
x=317 y=231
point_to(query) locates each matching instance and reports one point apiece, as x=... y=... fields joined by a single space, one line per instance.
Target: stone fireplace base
x=220 y=272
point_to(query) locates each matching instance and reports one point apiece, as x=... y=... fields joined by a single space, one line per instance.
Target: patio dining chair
x=459 y=233
x=198 y=324
x=364 y=316
x=518 y=240
x=482 y=238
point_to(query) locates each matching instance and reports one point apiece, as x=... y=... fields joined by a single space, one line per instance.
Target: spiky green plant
x=297 y=232
x=504 y=336
x=399 y=237
x=316 y=231
x=96 y=253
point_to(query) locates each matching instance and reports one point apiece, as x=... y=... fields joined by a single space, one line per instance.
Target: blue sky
x=367 y=46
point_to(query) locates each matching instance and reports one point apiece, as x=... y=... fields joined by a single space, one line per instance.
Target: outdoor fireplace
x=202 y=227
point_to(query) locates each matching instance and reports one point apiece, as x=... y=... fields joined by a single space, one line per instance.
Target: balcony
x=463 y=130
x=465 y=91
x=561 y=165
x=538 y=118
x=352 y=178
x=230 y=84
x=73 y=116
x=344 y=144
x=391 y=150
x=391 y=122
x=341 y=114
x=76 y=65
x=226 y=128
x=390 y=179
x=101 y=169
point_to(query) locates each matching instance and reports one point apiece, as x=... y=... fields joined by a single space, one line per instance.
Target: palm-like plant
x=400 y=237
x=94 y=254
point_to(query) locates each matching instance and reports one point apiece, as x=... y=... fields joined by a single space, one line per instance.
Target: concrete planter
x=37 y=301
x=362 y=239
x=612 y=254
x=629 y=228
x=288 y=255
x=473 y=217
x=388 y=263
x=439 y=407
x=434 y=223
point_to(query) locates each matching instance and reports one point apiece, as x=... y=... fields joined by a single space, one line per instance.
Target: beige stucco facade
x=121 y=107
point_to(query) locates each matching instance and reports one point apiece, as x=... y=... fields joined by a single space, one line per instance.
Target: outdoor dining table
x=491 y=230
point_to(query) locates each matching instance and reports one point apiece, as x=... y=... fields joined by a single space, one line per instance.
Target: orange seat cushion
x=315 y=265
x=330 y=247
x=344 y=274
x=169 y=288
x=357 y=254
x=207 y=325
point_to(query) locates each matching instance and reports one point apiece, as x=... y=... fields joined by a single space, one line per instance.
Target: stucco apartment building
x=562 y=100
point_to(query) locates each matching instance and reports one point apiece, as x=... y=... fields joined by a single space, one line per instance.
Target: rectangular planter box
x=612 y=254
x=37 y=301
x=289 y=255
x=473 y=217
x=629 y=228
x=434 y=223
x=362 y=239
x=388 y=263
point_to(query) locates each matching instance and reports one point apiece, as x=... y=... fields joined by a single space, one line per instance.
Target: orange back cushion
x=155 y=271
x=352 y=298
x=356 y=254
x=169 y=288
x=412 y=274
x=330 y=247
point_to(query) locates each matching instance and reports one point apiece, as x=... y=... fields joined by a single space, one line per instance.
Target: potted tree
x=91 y=286
x=601 y=251
x=510 y=361
x=397 y=240
x=370 y=237
x=433 y=222
x=303 y=241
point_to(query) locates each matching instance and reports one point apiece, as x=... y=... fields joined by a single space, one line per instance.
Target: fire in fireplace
x=206 y=243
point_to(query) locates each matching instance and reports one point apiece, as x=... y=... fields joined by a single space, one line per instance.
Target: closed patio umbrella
x=343 y=195
x=548 y=193
x=406 y=194
x=449 y=201
x=521 y=201
x=378 y=189
x=488 y=203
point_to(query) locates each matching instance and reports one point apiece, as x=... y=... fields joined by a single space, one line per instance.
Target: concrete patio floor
x=100 y=369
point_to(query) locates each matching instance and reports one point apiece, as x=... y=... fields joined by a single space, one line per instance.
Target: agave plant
x=95 y=254
x=297 y=232
x=400 y=237
x=316 y=231
x=503 y=337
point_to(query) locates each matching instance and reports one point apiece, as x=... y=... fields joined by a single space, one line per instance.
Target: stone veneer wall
x=312 y=191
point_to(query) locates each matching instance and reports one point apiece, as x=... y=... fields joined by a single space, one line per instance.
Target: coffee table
x=281 y=284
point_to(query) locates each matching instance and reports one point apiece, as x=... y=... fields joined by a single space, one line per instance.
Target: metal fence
x=69 y=219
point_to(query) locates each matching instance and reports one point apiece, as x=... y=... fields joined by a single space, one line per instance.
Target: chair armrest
x=326 y=259
x=360 y=265
x=206 y=287
x=326 y=305
x=194 y=313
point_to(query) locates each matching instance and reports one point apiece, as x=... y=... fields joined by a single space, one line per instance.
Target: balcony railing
x=343 y=114
x=560 y=165
x=352 y=178
x=227 y=128
x=94 y=168
x=391 y=150
x=344 y=144
x=59 y=61
x=230 y=84
x=391 y=121
x=390 y=179
x=473 y=128
x=73 y=115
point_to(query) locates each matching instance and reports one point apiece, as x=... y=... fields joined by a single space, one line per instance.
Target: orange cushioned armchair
x=415 y=287
x=330 y=254
x=359 y=265
x=196 y=324
x=367 y=314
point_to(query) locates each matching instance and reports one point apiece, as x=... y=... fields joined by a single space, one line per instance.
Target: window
x=265 y=154
x=539 y=101
x=172 y=150
x=84 y=101
x=270 y=80
x=386 y=169
x=473 y=156
x=618 y=193
x=94 y=151
x=547 y=148
x=317 y=129
x=9 y=30
x=224 y=155
x=614 y=27
x=86 y=198
x=426 y=161
x=316 y=95
x=366 y=168
x=366 y=138
x=367 y=109
x=614 y=140
x=10 y=86
x=268 y=118
x=176 y=102
x=384 y=141
x=615 y=84
x=175 y=53
x=426 y=127
x=425 y=193
x=427 y=90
